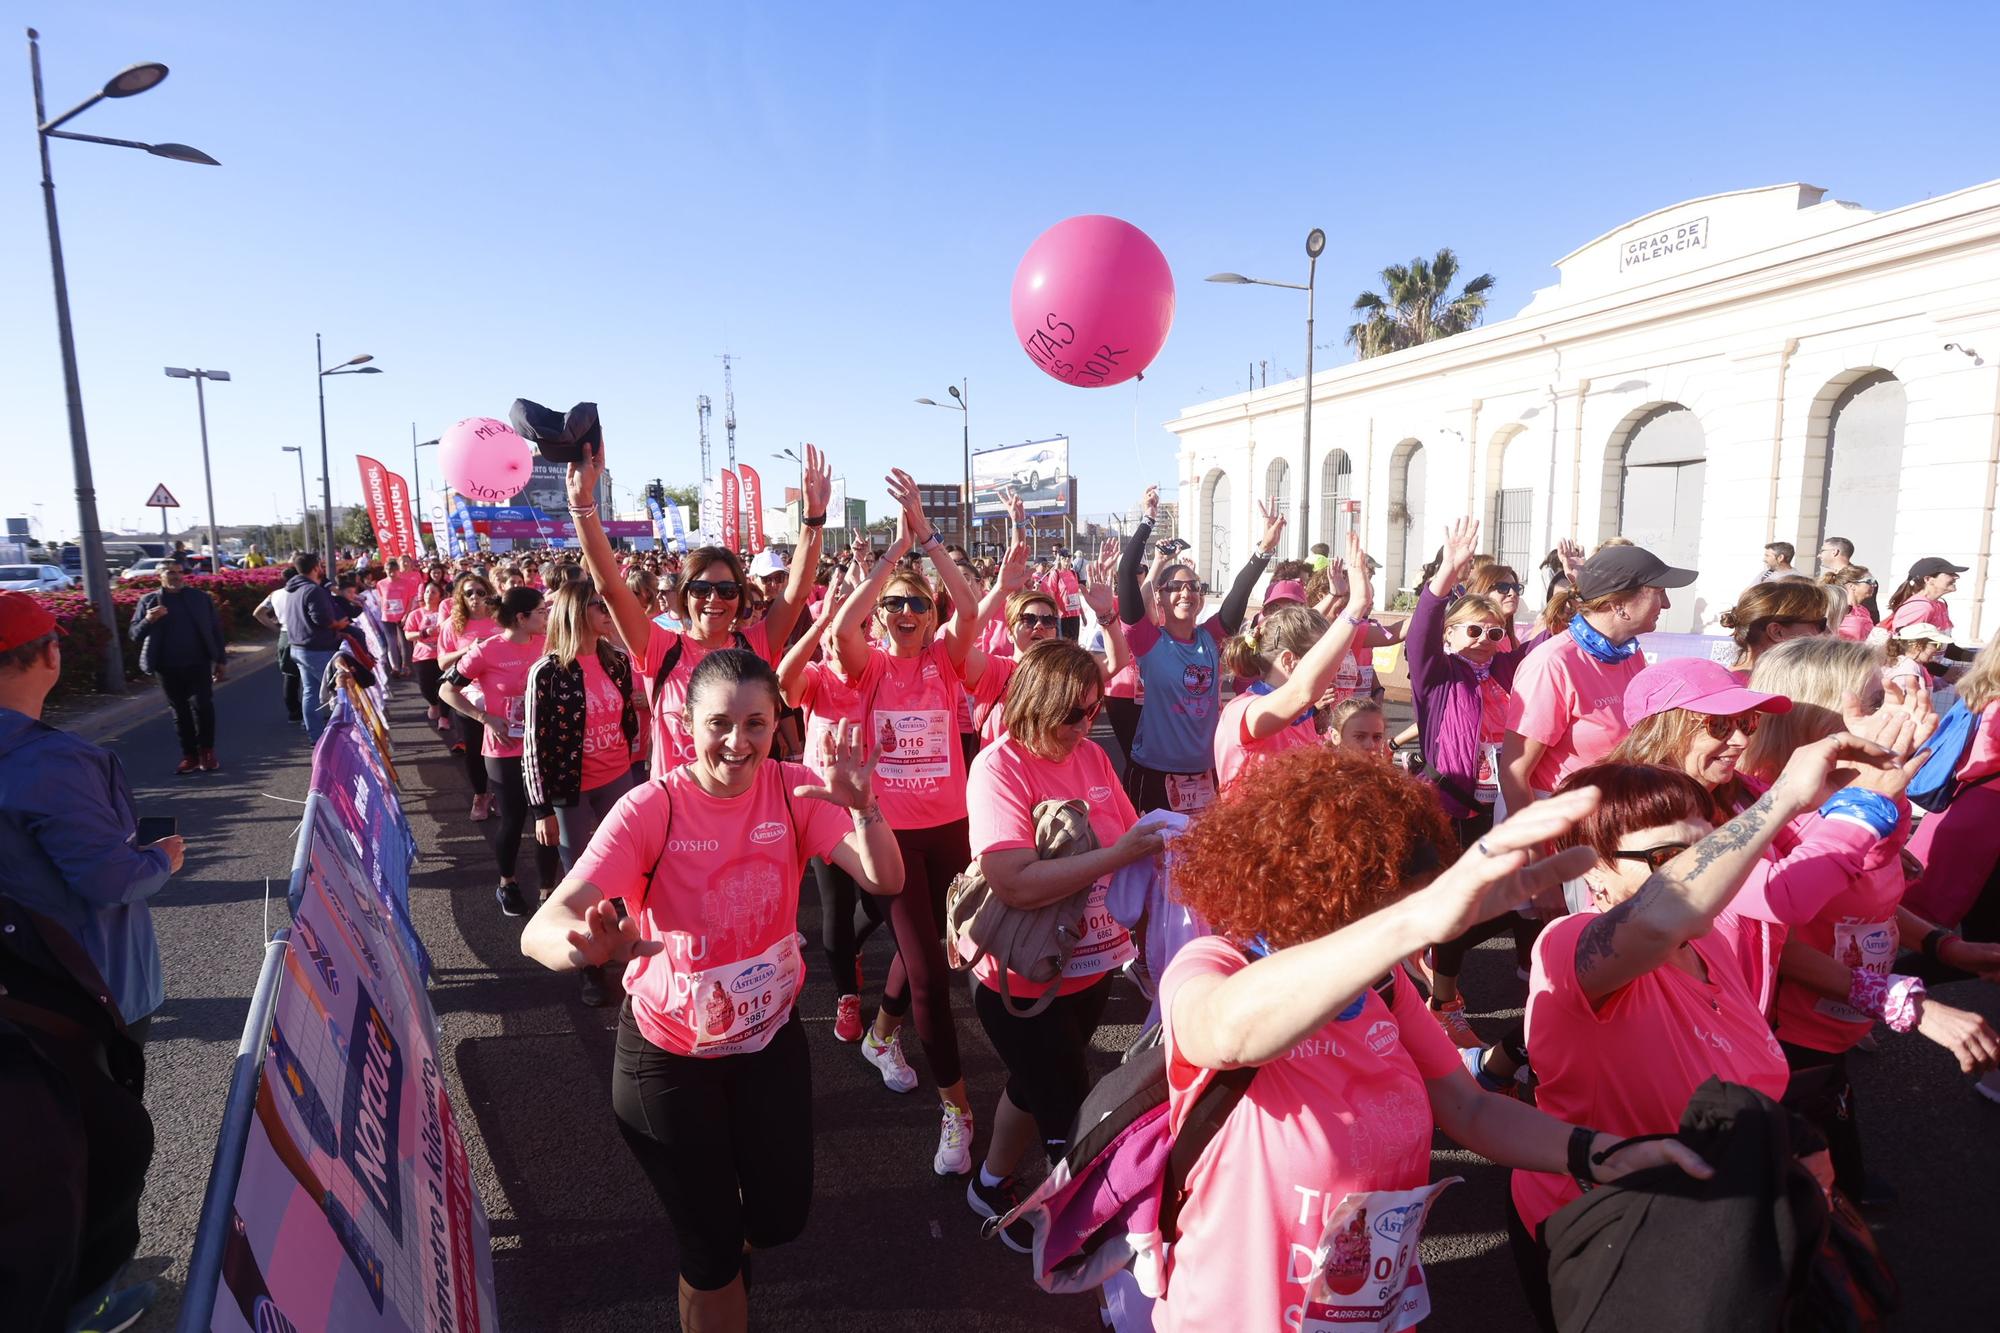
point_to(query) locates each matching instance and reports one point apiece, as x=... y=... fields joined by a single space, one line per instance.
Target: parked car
x=34 y=578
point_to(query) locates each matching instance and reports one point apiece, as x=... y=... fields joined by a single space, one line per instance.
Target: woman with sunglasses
x=910 y=685
x=469 y=621
x=1768 y=614
x=1500 y=585
x=420 y=628
x=705 y=604
x=1860 y=586
x=1032 y=617
x=1180 y=663
x=582 y=734
x=1931 y=580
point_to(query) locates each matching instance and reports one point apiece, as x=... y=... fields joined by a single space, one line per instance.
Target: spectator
x=180 y=642
x=66 y=824
x=1320 y=558
x=1777 y=562
x=313 y=623
x=270 y=613
x=1835 y=555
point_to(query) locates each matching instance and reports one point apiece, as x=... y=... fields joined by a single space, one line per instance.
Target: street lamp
x=207 y=478
x=417 y=484
x=128 y=82
x=354 y=365
x=959 y=404
x=792 y=454
x=305 y=505
x=1315 y=246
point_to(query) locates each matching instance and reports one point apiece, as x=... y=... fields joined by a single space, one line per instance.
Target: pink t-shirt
x=1629 y=1065
x=1856 y=926
x=827 y=701
x=398 y=595
x=913 y=719
x=1910 y=675
x=1570 y=702
x=423 y=648
x=996 y=640
x=1236 y=751
x=723 y=896
x=607 y=755
x=673 y=743
x=1346 y=1110
x=450 y=640
x=1068 y=592
x=1008 y=781
x=1934 y=612
x=989 y=698
x=500 y=669
x=1857 y=624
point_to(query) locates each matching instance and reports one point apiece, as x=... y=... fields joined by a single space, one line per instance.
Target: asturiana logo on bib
x=909 y=726
x=754 y=977
x=1393 y=1221
x=1382 y=1036
x=768 y=831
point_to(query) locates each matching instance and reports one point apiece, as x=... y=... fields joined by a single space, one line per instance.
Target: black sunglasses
x=1037 y=620
x=1655 y=857
x=1081 y=713
x=1818 y=626
x=1491 y=633
x=1510 y=589
x=598 y=604
x=911 y=604
x=727 y=590
x=1172 y=586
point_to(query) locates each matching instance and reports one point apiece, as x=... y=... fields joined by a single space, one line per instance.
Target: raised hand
x=1460 y=539
x=1017 y=508
x=818 y=483
x=1150 y=503
x=1102 y=594
x=1014 y=569
x=903 y=490
x=1876 y=761
x=607 y=937
x=848 y=770
x=1274 y=524
x=1571 y=555
x=1354 y=569
x=581 y=479
x=1503 y=870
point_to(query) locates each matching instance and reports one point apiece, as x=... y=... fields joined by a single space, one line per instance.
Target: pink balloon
x=1093 y=301
x=484 y=460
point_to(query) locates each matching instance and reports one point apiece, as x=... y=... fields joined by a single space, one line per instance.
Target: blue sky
x=594 y=201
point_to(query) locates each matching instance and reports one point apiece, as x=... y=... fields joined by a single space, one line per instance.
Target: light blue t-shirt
x=1183 y=699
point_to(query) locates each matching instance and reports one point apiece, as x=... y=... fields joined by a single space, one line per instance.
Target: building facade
x=1762 y=365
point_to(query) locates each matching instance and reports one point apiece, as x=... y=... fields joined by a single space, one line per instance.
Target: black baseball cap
x=1616 y=569
x=1930 y=565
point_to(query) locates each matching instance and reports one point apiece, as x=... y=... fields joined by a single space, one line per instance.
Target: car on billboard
x=1030 y=472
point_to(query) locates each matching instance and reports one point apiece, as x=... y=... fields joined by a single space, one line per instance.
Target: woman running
x=711 y=1084
x=420 y=627
x=469 y=621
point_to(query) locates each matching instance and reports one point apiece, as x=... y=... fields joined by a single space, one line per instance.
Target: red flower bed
x=236 y=592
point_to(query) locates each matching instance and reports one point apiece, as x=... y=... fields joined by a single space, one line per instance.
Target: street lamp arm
x=49 y=127
x=1238 y=278
x=97 y=138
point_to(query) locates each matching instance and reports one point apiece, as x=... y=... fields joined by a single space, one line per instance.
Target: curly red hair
x=1308 y=842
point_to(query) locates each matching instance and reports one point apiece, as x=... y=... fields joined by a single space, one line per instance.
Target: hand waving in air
x=848 y=770
x=607 y=937
x=1274 y=522
x=818 y=483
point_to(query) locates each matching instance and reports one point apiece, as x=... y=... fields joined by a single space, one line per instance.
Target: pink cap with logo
x=1698 y=685
x=1284 y=590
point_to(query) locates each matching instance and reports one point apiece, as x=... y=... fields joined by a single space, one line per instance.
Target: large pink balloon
x=1093 y=300
x=484 y=460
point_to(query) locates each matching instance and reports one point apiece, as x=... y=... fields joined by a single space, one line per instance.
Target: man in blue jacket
x=313 y=625
x=67 y=832
x=180 y=643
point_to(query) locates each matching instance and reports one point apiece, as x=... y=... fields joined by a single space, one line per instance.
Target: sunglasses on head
x=909 y=603
x=1510 y=589
x=727 y=590
x=1490 y=633
x=1038 y=620
x=1654 y=857
x=1081 y=713
x=1722 y=727
x=598 y=604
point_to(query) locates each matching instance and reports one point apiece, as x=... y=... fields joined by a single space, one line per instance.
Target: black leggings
x=726 y=1140
x=428 y=676
x=1124 y=722
x=931 y=858
x=472 y=735
x=847 y=917
x=1822 y=1093
x=1048 y=1071
x=513 y=789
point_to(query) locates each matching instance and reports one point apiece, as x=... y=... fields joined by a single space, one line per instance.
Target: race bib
x=1366 y=1274
x=1190 y=793
x=1869 y=945
x=736 y=1007
x=1106 y=945
x=517 y=717
x=915 y=743
x=393 y=606
x=1487 y=785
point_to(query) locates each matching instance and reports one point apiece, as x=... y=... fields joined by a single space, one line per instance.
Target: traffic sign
x=162 y=498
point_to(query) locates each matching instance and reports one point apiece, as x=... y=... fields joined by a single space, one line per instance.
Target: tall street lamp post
x=305 y=505
x=793 y=454
x=417 y=484
x=128 y=82
x=963 y=407
x=354 y=365
x=1315 y=246
x=207 y=478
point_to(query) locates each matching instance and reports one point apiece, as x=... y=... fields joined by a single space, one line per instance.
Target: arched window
x=1212 y=538
x=1658 y=462
x=1861 y=473
x=1406 y=517
x=1278 y=486
x=1336 y=489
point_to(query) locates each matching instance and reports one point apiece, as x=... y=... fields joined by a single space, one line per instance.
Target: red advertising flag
x=731 y=510
x=753 y=506
x=375 y=491
x=402 y=517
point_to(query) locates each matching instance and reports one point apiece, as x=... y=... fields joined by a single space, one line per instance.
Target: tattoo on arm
x=1598 y=944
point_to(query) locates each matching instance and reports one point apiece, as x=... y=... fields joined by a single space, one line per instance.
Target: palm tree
x=1418 y=307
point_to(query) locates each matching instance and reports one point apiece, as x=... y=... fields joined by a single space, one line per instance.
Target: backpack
x=1936 y=783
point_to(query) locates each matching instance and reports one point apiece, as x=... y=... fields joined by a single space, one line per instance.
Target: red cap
x=1698 y=685
x=22 y=620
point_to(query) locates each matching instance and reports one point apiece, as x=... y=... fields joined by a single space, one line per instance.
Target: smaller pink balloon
x=484 y=460
x=1093 y=300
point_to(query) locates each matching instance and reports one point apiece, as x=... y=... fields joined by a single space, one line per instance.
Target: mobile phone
x=152 y=828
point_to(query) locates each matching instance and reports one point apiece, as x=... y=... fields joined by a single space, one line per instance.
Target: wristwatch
x=816 y=521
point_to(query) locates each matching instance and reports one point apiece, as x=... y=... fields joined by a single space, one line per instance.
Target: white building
x=1761 y=365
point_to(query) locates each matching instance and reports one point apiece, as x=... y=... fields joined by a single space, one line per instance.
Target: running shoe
x=209 y=763
x=1475 y=1064
x=995 y=1202
x=887 y=1056
x=1451 y=1017
x=510 y=899
x=954 y=1154
x=120 y=1310
x=189 y=764
x=847 y=1019
x=482 y=808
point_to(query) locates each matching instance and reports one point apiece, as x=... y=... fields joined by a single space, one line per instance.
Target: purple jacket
x=1446 y=694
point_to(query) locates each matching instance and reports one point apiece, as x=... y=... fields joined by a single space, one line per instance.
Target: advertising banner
x=403 y=517
x=732 y=511
x=753 y=507
x=711 y=512
x=678 y=523
x=375 y=494
x=1037 y=471
x=349 y=774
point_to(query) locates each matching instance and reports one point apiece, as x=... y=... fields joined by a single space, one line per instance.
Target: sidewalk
x=97 y=717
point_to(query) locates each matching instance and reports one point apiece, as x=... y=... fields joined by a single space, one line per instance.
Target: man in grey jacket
x=313 y=625
x=179 y=635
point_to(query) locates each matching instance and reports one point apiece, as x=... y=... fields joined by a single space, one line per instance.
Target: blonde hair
x=1818 y=675
x=1020 y=601
x=1347 y=710
x=1286 y=627
x=1049 y=684
x=1980 y=685
x=1663 y=739
x=911 y=582
x=1472 y=607
x=569 y=609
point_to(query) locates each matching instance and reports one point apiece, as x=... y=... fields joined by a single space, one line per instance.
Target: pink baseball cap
x=1284 y=590
x=1698 y=685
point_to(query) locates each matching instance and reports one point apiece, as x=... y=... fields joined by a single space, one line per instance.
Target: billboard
x=1037 y=471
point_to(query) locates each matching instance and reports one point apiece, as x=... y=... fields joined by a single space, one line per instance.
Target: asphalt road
x=579 y=1241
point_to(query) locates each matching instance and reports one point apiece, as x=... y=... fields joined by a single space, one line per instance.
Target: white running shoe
x=887 y=1056
x=954 y=1154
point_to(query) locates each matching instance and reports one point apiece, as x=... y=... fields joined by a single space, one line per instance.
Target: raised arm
x=1237 y=600
x=850 y=627
x=1131 y=601
x=1271 y=713
x=792 y=670
x=634 y=622
x=964 y=627
x=817 y=489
